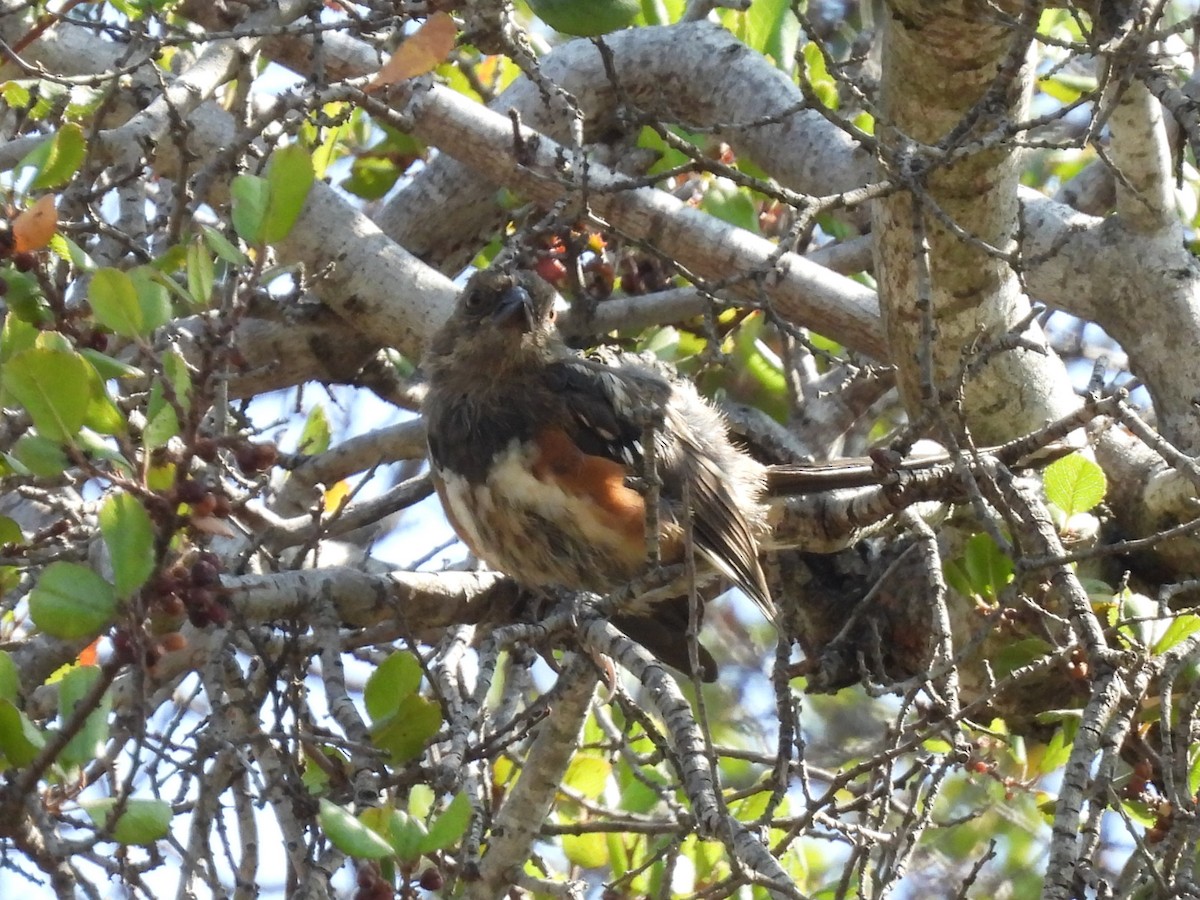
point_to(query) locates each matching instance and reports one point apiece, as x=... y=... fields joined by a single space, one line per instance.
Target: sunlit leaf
x=114 y=300
x=66 y=154
x=221 y=246
x=1074 y=484
x=315 y=436
x=588 y=775
x=52 y=386
x=588 y=851
x=1181 y=628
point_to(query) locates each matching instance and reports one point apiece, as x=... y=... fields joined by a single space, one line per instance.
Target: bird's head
x=503 y=318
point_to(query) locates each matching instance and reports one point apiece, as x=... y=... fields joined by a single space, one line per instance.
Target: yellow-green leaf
x=1074 y=484
x=52 y=386
x=114 y=300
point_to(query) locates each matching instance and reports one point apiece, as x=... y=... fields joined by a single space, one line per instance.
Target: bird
x=536 y=452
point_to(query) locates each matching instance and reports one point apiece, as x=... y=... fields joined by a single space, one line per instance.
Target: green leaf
x=636 y=795
x=1019 y=653
x=201 y=273
x=141 y=821
x=406 y=835
x=350 y=835
x=371 y=177
x=405 y=734
x=20 y=740
x=152 y=298
x=17 y=335
x=114 y=300
x=250 y=198
x=107 y=367
x=25 y=299
x=448 y=828
x=1140 y=618
x=315 y=776
x=1058 y=751
x=987 y=568
x=16 y=93
x=162 y=423
x=71 y=601
x=10 y=532
x=588 y=774
x=52 y=386
x=65 y=248
x=817 y=74
x=42 y=457
x=98 y=448
x=393 y=680
x=88 y=742
x=10 y=678
x=1074 y=484
x=586 y=18
x=289 y=179
x=103 y=415
x=129 y=534
x=588 y=851
x=315 y=437
x=769 y=27
x=729 y=203
x=66 y=154
x=1181 y=628
x=221 y=246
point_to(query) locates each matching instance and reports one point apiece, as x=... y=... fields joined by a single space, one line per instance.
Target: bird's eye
x=475 y=301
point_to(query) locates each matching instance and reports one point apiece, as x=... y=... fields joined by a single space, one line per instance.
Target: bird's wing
x=605 y=403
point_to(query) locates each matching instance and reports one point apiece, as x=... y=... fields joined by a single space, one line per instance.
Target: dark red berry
x=123 y=650
x=171 y=605
x=206 y=449
x=205 y=574
x=253 y=458
x=431 y=879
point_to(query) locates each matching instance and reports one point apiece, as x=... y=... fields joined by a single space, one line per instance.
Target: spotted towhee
x=538 y=457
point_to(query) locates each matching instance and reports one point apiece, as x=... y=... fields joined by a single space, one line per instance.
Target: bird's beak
x=515 y=309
